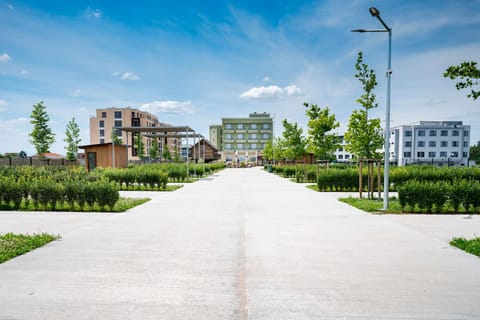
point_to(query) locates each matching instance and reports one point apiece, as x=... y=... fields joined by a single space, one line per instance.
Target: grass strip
x=471 y=246
x=13 y=245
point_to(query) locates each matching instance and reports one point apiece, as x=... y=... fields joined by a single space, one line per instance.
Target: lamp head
x=374 y=12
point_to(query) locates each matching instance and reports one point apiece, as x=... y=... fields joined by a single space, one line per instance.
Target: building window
x=408 y=144
x=118 y=114
x=240 y=126
x=407 y=154
x=432 y=144
x=253 y=146
x=240 y=146
x=455 y=144
x=266 y=126
x=340 y=156
x=228 y=126
x=421 y=144
x=455 y=133
x=421 y=133
x=228 y=146
x=465 y=154
x=408 y=133
x=444 y=133
x=101 y=124
x=253 y=136
x=228 y=136
x=102 y=133
x=443 y=144
x=465 y=133
x=136 y=122
x=118 y=132
x=240 y=136
x=420 y=154
x=454 y=154
x=431 y=154
x=432 y=133
x=465 y=144
x=104 y=114
x=253 y=126
x=266 y=136
x=443 y=154
x=118 y=123
x=347 y=156
x=340 y=149
x=102 y=141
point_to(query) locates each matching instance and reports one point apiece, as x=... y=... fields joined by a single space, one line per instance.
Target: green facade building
x=242 y=139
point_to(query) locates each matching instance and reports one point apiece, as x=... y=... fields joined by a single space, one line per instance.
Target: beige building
x=112 y=119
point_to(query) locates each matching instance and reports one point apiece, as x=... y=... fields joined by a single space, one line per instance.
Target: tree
x=154 y=150
x=42 y=136
x=364 y=135
x=268 y=150
x=139 y=145
x=115 y=138
x=293 y=143
x=319 y=141
x=176 y=154
x=72 y=133
x=468 y=74
x=166 y=154
x=475 y=153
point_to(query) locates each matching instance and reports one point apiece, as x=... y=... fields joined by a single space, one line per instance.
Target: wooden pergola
x=182 y=132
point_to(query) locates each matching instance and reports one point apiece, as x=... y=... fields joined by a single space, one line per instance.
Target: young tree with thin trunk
x=321 y=141
x=293 y=142
x=364 y=136
x=72 y=134
x=42 y=136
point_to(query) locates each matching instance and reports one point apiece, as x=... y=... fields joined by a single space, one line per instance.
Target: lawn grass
x=123 y=204
x=13 y=245
x=471 y=246
x=373 y=205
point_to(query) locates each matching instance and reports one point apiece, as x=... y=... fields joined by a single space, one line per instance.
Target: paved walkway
x=242 y=244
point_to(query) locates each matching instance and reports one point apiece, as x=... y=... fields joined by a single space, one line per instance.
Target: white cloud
x=272 y=91
x=126 y=75
x=4 y=57
x=168 y=106
x=83 y=109
x=266 y=79
x=129 y=76
x=24 y=72
x=95 y=13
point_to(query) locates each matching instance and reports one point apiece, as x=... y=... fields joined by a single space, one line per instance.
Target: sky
x=193 y=62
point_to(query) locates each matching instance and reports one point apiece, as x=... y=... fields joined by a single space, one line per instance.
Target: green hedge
x=434 y=196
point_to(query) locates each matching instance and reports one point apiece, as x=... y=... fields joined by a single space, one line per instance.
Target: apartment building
x=433 y=142
x=112 y=119
x=341 y=154
x=242 y=139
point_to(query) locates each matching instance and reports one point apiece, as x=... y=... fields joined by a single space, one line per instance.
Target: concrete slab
x=243 y=244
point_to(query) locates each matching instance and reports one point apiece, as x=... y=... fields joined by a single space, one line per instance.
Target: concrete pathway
x=242 y=244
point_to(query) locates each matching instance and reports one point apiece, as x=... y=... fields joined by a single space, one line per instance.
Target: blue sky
x=194 y=62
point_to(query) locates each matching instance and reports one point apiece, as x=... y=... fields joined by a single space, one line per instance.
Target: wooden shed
x=101 y=155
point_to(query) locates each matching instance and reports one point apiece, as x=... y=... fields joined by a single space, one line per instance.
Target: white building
x=434 y=142
x=341 y=154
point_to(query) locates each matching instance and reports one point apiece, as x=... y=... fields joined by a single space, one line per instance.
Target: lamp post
x=376 y=14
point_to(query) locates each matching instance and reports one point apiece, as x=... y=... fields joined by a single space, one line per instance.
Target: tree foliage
x=115 y=138
x=364 y=135
x=475 y=152
x=321 y=141
x=154 y=150
x=468 y=73
x=72 y=138
x=139 y=145
x=292 y=142
x=166 y=154
x=42 y=136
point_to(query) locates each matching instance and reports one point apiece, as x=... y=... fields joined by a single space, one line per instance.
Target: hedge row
x=146 y=175
x=47 y=193
x=434 y=196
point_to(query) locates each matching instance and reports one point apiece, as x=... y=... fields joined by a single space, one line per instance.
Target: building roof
x=48 y=155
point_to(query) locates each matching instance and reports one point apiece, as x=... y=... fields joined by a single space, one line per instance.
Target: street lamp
x=376 y=14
